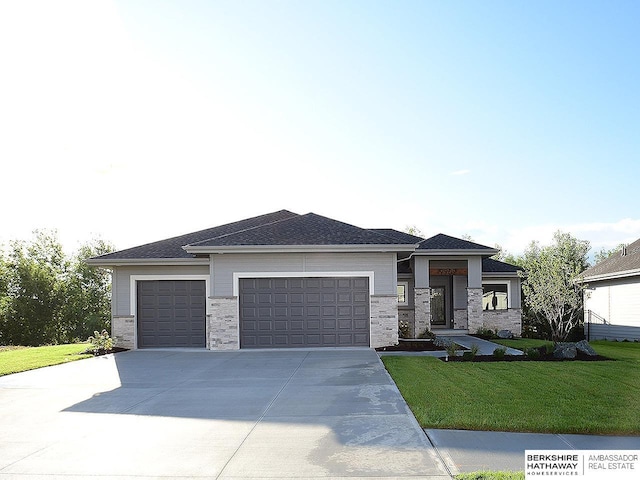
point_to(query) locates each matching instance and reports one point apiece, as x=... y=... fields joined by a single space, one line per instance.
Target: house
x=612 y=296
x=287 y=280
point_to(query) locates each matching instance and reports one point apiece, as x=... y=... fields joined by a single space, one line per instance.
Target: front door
x=438 y=310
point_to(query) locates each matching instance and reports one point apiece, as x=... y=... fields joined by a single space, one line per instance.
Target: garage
x=171 y=313
x=304 y=312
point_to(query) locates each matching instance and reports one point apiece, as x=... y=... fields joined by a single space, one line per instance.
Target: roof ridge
x=248 y=229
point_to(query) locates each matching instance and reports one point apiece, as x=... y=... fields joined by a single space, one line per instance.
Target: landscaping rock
x=565 y=350
x=442 y=342
x=585 y=348
x=505 y=334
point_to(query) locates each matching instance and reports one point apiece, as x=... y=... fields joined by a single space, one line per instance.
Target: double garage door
x=274 y=312
x=304 y=312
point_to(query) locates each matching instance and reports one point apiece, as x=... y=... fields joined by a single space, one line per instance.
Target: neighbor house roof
x=625 y=263
x=442 y=243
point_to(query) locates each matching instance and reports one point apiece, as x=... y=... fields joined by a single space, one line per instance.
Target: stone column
x=223 y=324
x=422 y=310
x=474 y=309
x=384 y=320
x=123 y=331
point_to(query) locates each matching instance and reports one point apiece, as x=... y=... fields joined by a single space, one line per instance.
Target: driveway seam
x=261 y=417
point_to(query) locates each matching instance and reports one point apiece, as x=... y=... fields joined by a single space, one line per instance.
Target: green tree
x=603 y=253
x=35 y=291
x=88 y=293
x=550 y=288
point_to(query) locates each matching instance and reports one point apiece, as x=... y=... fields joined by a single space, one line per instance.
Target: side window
x=495 y=296
x=403 y=288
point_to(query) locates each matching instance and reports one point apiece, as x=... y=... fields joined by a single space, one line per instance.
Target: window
x=495 y=296
x=403 y=290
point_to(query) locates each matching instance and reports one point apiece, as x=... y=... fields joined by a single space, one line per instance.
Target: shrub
x=427 y=334
x=475 y=348
x=403 y=329
x=468 y=356
x=533 y=353
x=452 y=349
x=486 y=333
x=499 y=353
x=100 y=343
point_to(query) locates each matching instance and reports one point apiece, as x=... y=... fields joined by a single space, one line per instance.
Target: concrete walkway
x=468 y=451
x=330 y=413
x=465 y=341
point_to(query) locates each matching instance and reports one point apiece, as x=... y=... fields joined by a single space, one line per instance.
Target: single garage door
x=304 y=312
x=171 y=313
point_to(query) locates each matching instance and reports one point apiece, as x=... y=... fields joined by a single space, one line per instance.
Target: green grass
x=552 y=397
x=484 y=475
x=14 y=360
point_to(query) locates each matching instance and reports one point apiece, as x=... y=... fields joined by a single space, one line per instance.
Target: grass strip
x=23 y=359
x=546 y=397
x=486 y=475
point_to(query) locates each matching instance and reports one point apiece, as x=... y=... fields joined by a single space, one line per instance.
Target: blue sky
x=140 y=120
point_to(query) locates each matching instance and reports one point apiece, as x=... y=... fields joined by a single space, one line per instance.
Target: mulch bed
x=412 y=346
x=113 y=350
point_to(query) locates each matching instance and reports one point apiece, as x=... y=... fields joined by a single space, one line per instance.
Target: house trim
x=612 y=275
x=299 y=249
x=122 y=262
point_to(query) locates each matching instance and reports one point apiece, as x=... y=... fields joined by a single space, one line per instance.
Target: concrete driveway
x=262 y=414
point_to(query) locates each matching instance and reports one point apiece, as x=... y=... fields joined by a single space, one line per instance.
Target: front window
x=495 y=296
x=403 y=288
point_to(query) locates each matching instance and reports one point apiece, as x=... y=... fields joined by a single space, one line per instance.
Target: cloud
x=461 y=172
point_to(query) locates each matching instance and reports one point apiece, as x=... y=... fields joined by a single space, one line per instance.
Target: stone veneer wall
x=123 y=330
x=384 y=320
x=460 y=319
x=474 y=309
x=223 y=323
x=407 y=315
x=422 y=310
x=510 y=319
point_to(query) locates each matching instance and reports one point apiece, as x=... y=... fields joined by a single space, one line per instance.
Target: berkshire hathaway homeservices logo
x=583 y=464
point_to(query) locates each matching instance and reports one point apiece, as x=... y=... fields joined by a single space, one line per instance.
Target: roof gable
x=617 y=263
x=309 y=229
x=446 y=242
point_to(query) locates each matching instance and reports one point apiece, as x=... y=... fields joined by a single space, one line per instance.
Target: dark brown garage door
x=171 y=313
x=304 y=312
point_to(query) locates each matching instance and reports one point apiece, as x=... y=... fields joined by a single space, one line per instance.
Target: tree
x=414 y=230
x=550 y=287
x=46 y=297
x=603 y=253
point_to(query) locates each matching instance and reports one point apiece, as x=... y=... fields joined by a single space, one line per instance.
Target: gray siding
x=460 y=292
x=121 y=301
x=382 y=264
x=596 y=331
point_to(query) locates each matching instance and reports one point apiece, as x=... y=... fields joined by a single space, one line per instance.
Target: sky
x=134 y=121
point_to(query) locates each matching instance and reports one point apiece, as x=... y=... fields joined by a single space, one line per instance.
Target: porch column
x=422 y=296
x=474 y=294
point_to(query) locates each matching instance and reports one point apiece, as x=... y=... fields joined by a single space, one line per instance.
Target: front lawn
x=14 y=360
x=553 y=397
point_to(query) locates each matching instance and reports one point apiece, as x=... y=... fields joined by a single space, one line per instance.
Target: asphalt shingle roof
x=400 y=237
x=617 y=262
x=490 y=265
x=172 y=247
x=445 y=242
x=309 y=229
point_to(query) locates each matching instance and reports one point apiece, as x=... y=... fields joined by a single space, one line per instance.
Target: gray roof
x=309 y=229
x=400 y=237
x=445 y=242
x=491 y=265
x=172 y=247
x=617 y=263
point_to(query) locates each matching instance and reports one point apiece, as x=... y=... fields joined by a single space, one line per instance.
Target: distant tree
x=467 y=237
x=504 y=256
x=46 y=297
x=603 y=253
x=550 y=288
x=413 y=230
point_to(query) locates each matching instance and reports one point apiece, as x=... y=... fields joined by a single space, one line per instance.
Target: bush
x=475 y=348
x=403 y=329
x=533 y=353
x=452 y=349
x=485 y=333
x=499 y=353
x=427 y=334
x=101 y=343
x=467 y=356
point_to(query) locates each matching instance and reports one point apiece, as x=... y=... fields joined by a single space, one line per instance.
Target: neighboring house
x=612 y=297
x=287 y=280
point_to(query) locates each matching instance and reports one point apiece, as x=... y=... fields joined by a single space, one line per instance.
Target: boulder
x=505 y=334
x=565 y=350
x=584 y=347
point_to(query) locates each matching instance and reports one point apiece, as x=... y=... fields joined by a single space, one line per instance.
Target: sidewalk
x=465 y=451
